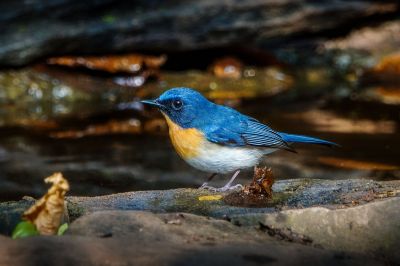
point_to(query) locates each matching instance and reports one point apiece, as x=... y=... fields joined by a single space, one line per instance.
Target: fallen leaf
x=263 y=180
x=47 y=212
x=210 y=197
x=130 y=63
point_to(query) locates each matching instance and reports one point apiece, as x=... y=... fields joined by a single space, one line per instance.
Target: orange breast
x=187 y=142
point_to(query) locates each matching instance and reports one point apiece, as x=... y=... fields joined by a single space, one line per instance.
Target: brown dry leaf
x=130 y=63
x=47 y=212
x=263 y=179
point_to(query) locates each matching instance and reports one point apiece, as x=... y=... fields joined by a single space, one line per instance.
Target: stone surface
x=34 y=29
x=372 y=229
x=293 y=193
x=288 y=194
x=351 y=222
x=141 y=238
x=10 y=214
x=376 y=40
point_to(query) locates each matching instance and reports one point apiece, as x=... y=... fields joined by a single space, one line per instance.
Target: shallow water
x=86 y=126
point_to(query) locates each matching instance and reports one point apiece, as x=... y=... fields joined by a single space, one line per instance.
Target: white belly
x=220 y=159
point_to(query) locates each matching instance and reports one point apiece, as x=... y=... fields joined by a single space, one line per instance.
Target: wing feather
x=236 y=129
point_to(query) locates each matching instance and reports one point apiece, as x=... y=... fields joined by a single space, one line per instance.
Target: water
x=87 y=127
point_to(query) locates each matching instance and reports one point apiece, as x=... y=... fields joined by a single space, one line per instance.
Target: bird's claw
x=221 y=189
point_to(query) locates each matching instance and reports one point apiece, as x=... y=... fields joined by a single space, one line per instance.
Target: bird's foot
x=228 y=186
x=204 y=186
x=221 y=189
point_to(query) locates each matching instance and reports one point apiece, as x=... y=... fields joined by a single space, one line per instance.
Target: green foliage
x=24 y=229
x=62 y=229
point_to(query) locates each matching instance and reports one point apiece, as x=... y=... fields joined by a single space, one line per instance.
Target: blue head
x=182 y=105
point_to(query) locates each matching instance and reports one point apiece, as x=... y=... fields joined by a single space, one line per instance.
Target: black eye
x=177 y=104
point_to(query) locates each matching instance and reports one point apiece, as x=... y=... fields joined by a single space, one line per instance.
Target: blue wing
x=231 y=128
x=258 y=134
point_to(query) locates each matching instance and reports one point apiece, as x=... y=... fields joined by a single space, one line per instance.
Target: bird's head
x=182 y=106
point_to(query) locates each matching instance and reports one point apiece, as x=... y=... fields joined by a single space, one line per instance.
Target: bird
x=218 y=139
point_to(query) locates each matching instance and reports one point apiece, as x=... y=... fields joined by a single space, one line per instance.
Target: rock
x=354 y=221
x=368 y=53
x=171 y=227
x=377 y=40
x=140 y=238
x=11 y=213
x=372 y=229
x=294 y=193
x=35 y=29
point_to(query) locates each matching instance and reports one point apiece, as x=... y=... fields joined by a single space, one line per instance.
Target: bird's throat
x=187 y=141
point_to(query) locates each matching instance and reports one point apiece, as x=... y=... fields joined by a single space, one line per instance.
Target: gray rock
x=109 y=230
x=138 y=238
x=293 y=193
x=372 y=229
x=11 y=212
x=34 y=29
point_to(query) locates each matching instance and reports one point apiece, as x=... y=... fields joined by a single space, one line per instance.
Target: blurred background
x=72 y=74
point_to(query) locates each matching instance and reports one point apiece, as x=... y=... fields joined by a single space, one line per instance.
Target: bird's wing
x=235 y=129
x=258 y=134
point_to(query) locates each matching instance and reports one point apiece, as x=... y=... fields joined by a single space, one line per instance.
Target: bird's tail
x=290 y=138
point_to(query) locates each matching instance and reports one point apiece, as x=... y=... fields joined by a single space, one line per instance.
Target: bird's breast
x=187 y=142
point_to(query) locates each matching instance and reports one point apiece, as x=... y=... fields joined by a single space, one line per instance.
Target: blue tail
x=290 y=138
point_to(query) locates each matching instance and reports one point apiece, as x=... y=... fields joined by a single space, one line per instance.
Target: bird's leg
x=227 y=185
x=205 y=184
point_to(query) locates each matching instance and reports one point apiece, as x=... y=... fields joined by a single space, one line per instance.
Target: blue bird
x=218 y=139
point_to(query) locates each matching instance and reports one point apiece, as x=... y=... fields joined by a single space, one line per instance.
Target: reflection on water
x=103 y=140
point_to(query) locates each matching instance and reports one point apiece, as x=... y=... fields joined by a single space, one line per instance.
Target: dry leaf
x=130 y=63
x=263 y=180
x=47 y=212
x=210 y=197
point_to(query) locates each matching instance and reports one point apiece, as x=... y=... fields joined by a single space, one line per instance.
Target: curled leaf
x=263 y=180
x=47 y=212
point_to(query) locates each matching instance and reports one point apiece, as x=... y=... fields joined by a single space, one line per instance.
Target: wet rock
x=34 y=29
x=32 y=98
x=170 y=227
x=369 y=54
x=141 y=248
x=256 y=82
x=285 y=231
x=11 y=213
x=377 y=41
x=369 y=229
x=287 y=194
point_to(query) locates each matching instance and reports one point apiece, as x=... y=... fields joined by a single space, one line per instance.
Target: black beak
x=152 y=102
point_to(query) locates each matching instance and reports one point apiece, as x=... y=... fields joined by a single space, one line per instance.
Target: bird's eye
x=177 y=104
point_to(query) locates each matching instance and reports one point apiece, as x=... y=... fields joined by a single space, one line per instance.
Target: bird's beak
x=152 y=102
